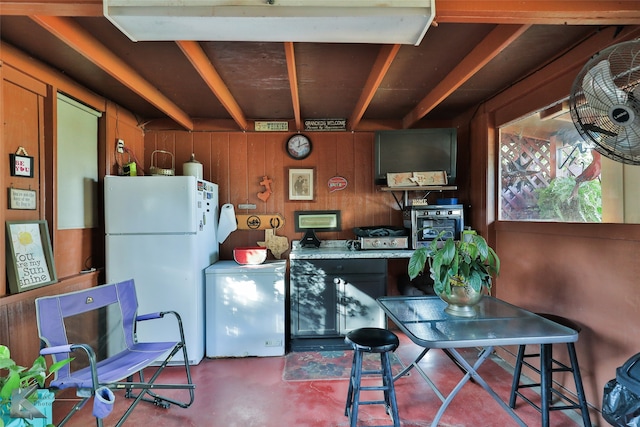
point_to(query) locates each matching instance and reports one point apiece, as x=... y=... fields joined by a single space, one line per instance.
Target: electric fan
x=605 y=102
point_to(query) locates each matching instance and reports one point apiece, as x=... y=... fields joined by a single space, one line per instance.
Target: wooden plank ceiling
x=474 y=50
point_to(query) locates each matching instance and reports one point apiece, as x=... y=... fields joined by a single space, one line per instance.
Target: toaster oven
x=428 y=221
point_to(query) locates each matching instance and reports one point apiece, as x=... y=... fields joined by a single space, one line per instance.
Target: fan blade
x=599 y=88
x=595 y=128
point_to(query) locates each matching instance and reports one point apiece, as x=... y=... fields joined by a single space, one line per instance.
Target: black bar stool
x=549 y=365
x=371 y=340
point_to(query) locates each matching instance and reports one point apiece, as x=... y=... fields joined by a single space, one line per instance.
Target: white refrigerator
x=161 y=231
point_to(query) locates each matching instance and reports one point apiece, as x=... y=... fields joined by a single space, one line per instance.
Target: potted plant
x=461 y=270
x=18 y=382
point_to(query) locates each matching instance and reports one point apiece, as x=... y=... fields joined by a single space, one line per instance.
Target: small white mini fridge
x=245 y=312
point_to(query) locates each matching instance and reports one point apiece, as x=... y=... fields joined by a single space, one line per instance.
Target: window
x=77 y=166
x=547 y=171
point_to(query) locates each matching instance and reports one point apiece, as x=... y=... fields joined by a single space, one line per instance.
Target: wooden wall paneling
x=22 y=129
x=23 y=334
x=164 y=142
x=44 y=168
x=363 y=177
x=49 y=168
x=237 y=161
x=23 y=118
x=344 y=166
x=75 y=251
x=17 y=312
x=380 y=208
x=256 y=167
x=202 y=150
x=274 y=161
x=184 y=149
x=220 y=164
x=237 y=187
x=5 y=326
x=576 y=283
x=3 y=200
x=150 y=144
x=330 y=201
x=238 y=168
x=115 y=124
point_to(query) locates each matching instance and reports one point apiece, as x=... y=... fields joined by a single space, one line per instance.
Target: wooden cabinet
x=331 y=297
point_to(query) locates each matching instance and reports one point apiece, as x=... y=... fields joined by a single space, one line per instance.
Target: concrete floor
x=250 y=392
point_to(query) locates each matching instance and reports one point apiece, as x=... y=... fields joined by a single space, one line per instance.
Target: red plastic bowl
x=250 y=255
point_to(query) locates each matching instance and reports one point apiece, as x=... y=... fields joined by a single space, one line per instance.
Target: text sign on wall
x=22 y=199
x=325 y=124
x=271 y=126
x=21 y=165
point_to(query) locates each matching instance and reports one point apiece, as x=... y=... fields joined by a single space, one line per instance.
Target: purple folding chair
x=115 y=305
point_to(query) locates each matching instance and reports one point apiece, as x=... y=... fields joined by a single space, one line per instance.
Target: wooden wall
x=586 y=272
x=28 y=114
x=237 y=162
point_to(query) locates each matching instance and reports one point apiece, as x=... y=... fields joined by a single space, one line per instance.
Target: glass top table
x=497 y=323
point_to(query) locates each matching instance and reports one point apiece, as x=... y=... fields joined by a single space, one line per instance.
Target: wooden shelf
x=427 y=188
x=406 y=190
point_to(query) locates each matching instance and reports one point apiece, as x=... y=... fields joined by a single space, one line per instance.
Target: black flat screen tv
x=415 y=150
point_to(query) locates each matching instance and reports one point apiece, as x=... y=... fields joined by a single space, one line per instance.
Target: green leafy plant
x=556 y=202
x=456 y=263
x=14 y=377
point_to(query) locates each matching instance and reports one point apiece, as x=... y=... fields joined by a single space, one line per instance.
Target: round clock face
x=299 y=146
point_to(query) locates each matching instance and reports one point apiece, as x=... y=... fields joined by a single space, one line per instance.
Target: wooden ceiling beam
x=557 y=12
x=86 y=45
x=293 y=83
x=385 y=57
x=51 y=7
x=487 y=49
x=194 y=53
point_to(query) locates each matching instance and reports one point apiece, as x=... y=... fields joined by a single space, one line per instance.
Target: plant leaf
x=417 y=262
x=56 y=366
x=13 y=382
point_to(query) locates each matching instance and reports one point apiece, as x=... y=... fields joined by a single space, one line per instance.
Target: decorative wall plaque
x=21 y=164
x=22 y=199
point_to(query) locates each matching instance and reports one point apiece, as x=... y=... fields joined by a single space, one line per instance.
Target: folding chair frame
x=51 y=312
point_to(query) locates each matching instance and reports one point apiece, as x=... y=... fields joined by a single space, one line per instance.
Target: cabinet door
x=313 y=301
x=357 y=304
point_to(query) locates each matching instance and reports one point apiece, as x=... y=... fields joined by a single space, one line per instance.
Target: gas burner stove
x=382 y=237
x=388 y=242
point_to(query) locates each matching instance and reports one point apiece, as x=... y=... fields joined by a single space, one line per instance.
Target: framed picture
x=29 y=258
x=21 y=165
x=301 y=184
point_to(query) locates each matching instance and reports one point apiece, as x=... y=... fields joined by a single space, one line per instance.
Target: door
x=150 y=204
x=357 y=305
x=313 y=300
x=167 y=279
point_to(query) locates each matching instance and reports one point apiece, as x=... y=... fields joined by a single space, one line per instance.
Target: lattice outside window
x=547 y=172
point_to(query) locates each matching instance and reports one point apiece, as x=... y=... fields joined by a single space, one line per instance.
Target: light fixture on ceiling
x=322 y=21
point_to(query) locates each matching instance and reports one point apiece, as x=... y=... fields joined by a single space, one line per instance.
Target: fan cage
x=594 y=117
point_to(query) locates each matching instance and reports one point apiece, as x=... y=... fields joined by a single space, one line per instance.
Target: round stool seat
x=561 y=320
x=374 y=340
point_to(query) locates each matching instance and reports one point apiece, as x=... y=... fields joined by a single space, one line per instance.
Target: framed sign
x=29 y=258
x=22 y=199
x=301 y=184
x=20 y=165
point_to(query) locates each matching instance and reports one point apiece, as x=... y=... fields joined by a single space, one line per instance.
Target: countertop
x=337 y=249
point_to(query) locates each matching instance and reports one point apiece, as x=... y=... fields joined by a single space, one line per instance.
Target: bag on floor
x=621 y=399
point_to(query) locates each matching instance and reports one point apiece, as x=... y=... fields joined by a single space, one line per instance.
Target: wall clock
x=299 y=146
